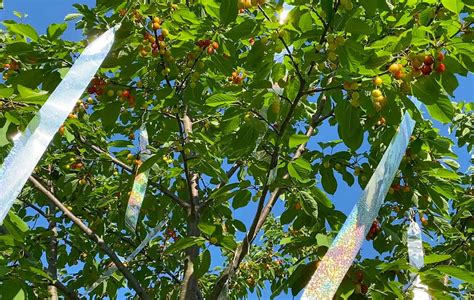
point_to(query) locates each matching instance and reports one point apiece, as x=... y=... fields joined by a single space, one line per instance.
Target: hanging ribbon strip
x=346 y=245
x=111 y=270
x=415 y=255
x=30 y=147
x=139 y=184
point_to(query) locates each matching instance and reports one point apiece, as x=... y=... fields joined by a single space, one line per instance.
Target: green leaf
x=426 y=90
x=218 y=100
x=457 y=272
x=72 y=16
x=203 y=264
x=241 y=199
x=242 y=31
x=22 y=29
x=15 y=226
x=300 y=170
x=56 y=30
x=184 y=243
x=435 y=258
x=349 y=127
x=300 y=277
x=322 y=197
x=309 y=204
x=297 y=139
x=328 y=180
x=228 y=11
x=5 y=92
x=442 y=110
x=357 y=26
x=3 y=134
x=453 y=5
x=147 y=164
x=28 y=95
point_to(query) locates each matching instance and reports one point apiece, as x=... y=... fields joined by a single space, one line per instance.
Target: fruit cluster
x=211 y=46
x=360 y=287
x=11 y=68
x=236 y=78
x=97 y=86
x=396 y=187
x=373 y=231
x=127 y=95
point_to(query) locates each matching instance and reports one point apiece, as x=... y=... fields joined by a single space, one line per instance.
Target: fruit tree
x=238 y=98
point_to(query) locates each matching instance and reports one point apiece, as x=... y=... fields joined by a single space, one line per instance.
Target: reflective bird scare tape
x=346 y=245
x=139 y=184
x=31 y=145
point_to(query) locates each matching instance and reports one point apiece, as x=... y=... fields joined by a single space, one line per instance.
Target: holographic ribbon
x=346 y=245
x=31 y=145
x=139 y=184
x=113 y=268
x=415 y=256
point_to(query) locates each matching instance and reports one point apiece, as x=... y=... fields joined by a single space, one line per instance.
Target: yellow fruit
x=355 y=102
x=354 y=85
x=394 y=68
x=156 y=20
x=327 y=164
x=156 y=26
x=165 y=32
x=213 y=240
x=376 y=93
x=110 y=93
x=377 y=81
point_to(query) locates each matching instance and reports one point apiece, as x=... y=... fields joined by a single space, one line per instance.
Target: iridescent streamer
x=346 y=245
x=139 y=184
x=415 y=255
x=112 y=269
x=31 y=145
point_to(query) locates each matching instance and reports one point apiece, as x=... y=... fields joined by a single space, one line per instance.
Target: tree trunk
x=52 y=255
x=53 y=252
x=190 y=287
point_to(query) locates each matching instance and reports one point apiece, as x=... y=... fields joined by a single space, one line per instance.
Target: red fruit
x=428 y=60
x=215 y=45
x=91 y=90
x=441 y=68
x=251 y=41
x=359 y=275
x=364 y=288
x=399 y=74
x=440 y=56
x=210 y=50
x=154 y=45
x=126 y=93
x=426 y=69
x=207 y=43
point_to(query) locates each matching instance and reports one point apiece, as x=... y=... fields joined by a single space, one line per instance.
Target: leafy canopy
x=231 y=95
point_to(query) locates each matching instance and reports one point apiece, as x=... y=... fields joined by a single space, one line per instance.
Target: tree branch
x=263 y=212
x=129 y=169
x=93 y=237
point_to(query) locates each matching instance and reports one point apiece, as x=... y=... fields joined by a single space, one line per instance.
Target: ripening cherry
x=399 y=74
x=441 y=68
x=210 y=50
x=377 y=81
x=428 y=60
x=440 y=56
x=426 y=69
x=376 y=93
x=394 y=68
x=215 y=45
x=125 y=93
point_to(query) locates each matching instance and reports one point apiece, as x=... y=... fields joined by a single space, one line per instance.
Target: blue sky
x=41 y=13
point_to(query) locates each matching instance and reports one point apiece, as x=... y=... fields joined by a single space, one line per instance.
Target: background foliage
x=230 y=97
